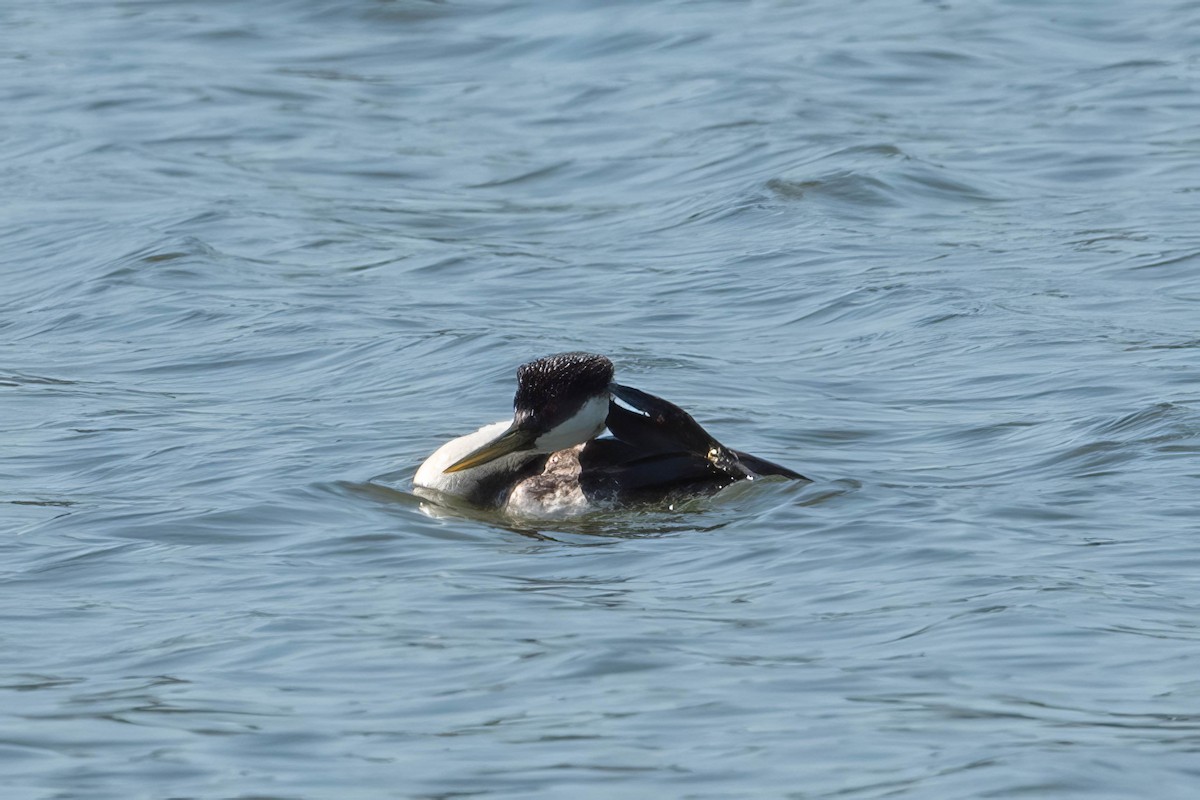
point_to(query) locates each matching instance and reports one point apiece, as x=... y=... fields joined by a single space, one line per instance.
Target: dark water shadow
x=700 y=515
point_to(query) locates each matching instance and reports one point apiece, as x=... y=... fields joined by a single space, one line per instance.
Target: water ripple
x=260 y=261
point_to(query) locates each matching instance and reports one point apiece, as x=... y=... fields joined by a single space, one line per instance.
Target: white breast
x=433 y=475
x=554 y=492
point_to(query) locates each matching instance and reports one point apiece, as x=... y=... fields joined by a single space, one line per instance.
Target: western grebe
x=548 y=460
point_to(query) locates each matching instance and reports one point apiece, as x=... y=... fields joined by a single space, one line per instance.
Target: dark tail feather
x=763 y=468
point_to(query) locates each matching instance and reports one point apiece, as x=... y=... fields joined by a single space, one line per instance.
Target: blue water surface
x=259 y=259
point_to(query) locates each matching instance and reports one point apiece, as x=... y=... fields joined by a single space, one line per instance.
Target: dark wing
x=611 y=469
x=663 y=427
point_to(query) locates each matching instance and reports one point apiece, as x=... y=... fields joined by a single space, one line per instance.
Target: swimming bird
x=549 y=461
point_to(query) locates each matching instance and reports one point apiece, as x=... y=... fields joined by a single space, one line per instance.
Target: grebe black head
x=562 y=400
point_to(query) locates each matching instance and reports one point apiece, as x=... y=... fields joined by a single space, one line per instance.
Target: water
x=259 y=259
